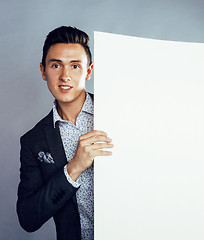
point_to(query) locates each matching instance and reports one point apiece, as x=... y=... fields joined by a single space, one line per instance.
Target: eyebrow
x=58 y=60
x=75 y=61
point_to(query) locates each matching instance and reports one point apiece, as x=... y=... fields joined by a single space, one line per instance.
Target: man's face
x=66 y=71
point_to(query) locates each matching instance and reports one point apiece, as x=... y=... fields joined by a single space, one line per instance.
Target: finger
x=94 y=139
x=102 y=153
x=92 y=133
x=98 y=146
x=97 y=139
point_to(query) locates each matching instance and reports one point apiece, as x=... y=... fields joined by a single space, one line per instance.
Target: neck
x=70 y=111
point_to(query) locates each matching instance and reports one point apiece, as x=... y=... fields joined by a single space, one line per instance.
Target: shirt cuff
x=73 y=183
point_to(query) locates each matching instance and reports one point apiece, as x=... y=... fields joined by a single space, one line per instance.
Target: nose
x=65 y=75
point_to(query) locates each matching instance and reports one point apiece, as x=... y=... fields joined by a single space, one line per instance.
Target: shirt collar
x=87 y=107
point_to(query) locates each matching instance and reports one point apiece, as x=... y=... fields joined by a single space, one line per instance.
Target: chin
x=70 y=97
x=65 y=100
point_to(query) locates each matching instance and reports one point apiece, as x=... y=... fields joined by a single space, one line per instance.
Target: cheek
x=78 y=76
x=80 y=80
x=52 y=76
x=50 y=86
x=51 y=82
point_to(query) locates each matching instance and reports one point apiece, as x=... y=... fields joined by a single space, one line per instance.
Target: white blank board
x=149 y=98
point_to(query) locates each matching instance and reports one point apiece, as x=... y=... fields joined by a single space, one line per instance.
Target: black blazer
x=44 y=191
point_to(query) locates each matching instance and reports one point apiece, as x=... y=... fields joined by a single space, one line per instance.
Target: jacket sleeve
x=39 y=200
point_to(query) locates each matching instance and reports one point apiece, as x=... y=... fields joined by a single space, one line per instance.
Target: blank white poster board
x=149 y=98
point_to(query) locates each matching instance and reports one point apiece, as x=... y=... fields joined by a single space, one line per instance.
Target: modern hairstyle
x=66 y=34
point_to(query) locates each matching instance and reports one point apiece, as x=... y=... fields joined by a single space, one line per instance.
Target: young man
x=57 y=154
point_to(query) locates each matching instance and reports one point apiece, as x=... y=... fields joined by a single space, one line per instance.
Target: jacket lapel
x=55 y=145
x=54 y=142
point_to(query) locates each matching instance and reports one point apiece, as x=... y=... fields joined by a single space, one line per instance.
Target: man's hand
x=89 y=146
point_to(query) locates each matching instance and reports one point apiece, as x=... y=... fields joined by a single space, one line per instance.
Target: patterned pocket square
x=47 y=158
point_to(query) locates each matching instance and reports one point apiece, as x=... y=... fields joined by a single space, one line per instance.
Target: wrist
x=73 y=170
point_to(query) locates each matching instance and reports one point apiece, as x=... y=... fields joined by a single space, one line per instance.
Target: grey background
x=24 y=96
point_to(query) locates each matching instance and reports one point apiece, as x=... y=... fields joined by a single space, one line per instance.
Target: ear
x=89 y=71
x=42 y=69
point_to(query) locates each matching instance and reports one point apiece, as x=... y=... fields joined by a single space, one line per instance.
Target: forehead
x=67 y=52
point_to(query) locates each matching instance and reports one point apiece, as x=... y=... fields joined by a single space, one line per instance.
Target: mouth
x=65 y=87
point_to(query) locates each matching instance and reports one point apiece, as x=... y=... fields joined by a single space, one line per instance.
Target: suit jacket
x=44 y=191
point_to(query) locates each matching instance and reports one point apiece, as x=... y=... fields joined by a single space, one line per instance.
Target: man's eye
x=55 y=66
x=75 y=66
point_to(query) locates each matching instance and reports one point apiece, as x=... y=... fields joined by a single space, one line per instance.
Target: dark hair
x=66 y=34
